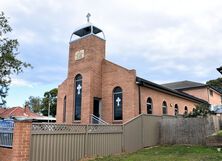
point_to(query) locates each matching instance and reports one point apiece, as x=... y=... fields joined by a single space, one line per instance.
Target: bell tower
x=84 y=79
x=87 y=45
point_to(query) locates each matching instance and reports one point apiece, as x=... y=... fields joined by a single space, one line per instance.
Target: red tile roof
x=2 y=110
x=18 y=112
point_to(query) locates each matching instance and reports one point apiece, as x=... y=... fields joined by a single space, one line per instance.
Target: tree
x=215 y=83
x=34 y=103
x=50 y=96
x=201 y=110
x=9 y=64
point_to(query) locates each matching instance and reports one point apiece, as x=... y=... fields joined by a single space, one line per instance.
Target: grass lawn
x=169 y=153
x=219 y=133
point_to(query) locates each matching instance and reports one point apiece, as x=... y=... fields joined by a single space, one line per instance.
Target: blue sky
x=164 y=40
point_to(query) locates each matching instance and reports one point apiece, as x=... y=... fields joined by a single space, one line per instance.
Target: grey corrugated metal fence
x=6 y=133
x=62 y=142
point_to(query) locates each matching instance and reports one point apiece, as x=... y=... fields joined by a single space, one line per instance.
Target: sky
x=164 y=40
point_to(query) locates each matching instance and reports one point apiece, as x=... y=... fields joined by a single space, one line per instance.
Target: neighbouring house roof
x=184 y=85
x=2 y=110
x=146 y=83
x=21 y=113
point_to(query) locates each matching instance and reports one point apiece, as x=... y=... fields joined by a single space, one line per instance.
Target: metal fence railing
x=6 y=133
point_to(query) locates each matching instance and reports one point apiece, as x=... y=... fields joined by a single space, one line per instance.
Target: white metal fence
x=6 y=133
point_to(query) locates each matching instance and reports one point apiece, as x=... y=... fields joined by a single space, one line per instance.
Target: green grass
x=169 y=153
x=219 y=133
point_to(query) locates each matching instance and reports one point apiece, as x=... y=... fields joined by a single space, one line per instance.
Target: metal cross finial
x=88 y=16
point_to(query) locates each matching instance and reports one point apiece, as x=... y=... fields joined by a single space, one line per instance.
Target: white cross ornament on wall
x=118 y=100
x=78 y=89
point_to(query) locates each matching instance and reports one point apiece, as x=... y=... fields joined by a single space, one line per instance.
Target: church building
x=97 y=90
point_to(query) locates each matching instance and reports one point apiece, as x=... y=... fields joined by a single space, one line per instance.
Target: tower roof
x=87 y=29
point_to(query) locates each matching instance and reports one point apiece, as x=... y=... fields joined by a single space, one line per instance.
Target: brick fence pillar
x=21 y=141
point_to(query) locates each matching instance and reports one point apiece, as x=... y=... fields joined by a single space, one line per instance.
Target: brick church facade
x=97 y=87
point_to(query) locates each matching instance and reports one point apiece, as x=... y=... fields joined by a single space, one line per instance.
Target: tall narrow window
x=64 y=109
x=176 y=109
x=185 y=110
x=117 y=103
x=164 y=107
x=149 y=105
x=78 y=96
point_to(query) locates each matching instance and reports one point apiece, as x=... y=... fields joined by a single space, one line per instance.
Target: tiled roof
x=2 y=110
x=19 y=112
x=184 y=85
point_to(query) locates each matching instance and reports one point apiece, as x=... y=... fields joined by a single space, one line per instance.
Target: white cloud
x=17 y=82
x=172 y=35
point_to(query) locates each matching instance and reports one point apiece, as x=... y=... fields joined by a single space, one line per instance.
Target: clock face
x=79 y=54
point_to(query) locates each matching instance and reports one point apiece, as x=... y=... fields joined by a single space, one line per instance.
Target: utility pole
x=49 y=107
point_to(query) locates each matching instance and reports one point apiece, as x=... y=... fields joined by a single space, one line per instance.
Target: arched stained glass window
x=78 y=96
x=176 y=109
x=64 y=109
x=117 y=103
x=185 y=110
x=149 y=105
x=164 y=107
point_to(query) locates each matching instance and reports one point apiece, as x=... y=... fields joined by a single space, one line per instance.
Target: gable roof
x=184 y=85
x=146 y=83
x=18 y=112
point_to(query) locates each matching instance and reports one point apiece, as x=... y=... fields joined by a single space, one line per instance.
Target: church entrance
x=96 y=108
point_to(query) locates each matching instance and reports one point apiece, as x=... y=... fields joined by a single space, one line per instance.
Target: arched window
x=185 y=110
x=78 y=96
x=64 y=109
x=149 y=105
x=117 y=103
x=176 y=109
x=164 y=107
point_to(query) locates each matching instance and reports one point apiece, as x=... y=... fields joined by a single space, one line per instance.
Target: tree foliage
x=215 y=83
x=9 y=63
x=201 y=110
x=41 y=105
x=34 y=103
x=50 y=96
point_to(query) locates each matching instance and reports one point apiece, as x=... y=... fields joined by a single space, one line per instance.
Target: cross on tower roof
x=88 y=16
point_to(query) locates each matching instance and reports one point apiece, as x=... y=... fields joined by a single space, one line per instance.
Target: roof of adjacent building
x=181 y=85
x=146 y=83
x=184 y=85
x=20 y=113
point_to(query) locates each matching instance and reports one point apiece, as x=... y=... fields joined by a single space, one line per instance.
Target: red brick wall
x=99 y=78
x=112 y=76
x=90 y=67
x=5 y=154
x=214 y=99
x=201 y=93
x=21 y=143
x=158 y=98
